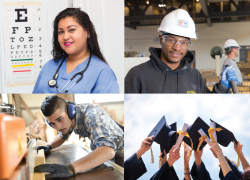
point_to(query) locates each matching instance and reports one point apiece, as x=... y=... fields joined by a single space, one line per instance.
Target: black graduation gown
x=134 y=168
x=166 y=173
x=235 y=169
x=230 y=176
x=203 y=173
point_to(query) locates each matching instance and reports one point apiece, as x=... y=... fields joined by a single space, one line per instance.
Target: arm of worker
x=243 y=160
x=227 y=75
x=58 y=141
x=223 y=162
x=93 y=159
x=53 y=144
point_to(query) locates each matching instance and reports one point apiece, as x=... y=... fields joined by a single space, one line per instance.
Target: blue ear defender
x=70 y=111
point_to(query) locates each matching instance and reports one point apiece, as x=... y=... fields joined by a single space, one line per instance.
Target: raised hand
x=174 y=155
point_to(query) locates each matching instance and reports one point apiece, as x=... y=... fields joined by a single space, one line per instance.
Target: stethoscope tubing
x=81 y=73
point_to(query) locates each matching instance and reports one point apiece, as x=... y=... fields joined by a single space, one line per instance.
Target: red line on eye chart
x=22 y=71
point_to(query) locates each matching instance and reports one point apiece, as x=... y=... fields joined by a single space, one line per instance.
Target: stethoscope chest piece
x=52 y=83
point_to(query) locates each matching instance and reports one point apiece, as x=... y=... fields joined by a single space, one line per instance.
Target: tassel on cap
x=186 y=134
x=210 y=132
x=152 y=156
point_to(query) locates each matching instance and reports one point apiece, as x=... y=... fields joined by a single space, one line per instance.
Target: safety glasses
x=170 y=40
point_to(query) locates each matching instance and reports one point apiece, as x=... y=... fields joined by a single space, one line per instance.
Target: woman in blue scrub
x=78 y=65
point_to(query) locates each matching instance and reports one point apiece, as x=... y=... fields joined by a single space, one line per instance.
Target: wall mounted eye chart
x=23 y=41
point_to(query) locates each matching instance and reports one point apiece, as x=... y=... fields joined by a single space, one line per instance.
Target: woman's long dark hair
x=82 y=18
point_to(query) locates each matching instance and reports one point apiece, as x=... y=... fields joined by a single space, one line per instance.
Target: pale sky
x=143 y=111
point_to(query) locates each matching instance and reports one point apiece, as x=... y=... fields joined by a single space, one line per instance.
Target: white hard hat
x=229 y=44
x=179 y=23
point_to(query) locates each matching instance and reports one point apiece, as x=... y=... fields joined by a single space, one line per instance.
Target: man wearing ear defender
x=169 y=68
x=87 y=120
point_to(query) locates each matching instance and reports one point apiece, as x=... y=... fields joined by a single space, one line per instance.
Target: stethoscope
x=52 y=82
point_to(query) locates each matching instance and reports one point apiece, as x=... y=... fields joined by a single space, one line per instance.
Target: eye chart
x=23 y=41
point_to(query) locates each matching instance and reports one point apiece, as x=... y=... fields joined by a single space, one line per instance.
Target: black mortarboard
x=164 y=134
x=195 y=135
x=224 y=137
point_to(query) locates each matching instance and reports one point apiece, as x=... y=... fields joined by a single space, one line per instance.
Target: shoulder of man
x=228 y=61
x=138 y=70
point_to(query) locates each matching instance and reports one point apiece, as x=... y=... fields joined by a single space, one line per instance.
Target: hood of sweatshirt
x=155 y=56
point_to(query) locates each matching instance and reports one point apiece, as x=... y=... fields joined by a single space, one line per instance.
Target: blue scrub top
x=98 y=78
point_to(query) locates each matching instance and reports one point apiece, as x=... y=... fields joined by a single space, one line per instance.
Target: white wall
x=143 y=37
x=109 y=24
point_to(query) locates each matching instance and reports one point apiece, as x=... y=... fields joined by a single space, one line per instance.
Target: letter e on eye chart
x=23 y=39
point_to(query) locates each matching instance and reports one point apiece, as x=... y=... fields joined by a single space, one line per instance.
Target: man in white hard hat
x=232 y=48
x=169 y=68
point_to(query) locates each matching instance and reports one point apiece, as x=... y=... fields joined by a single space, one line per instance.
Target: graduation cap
x=195 y=135
x=224 y=137
x=164 y=135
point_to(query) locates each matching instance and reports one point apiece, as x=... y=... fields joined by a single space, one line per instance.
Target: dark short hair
x=51 y=104
x=246 y=174
x=229 y=52
x=83 y=19
x=229 y=49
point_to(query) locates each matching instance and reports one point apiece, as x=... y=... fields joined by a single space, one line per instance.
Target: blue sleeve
x=106 y=82
x=203 y=173
x=35 y=90
x=134 y=168
x=230 y=176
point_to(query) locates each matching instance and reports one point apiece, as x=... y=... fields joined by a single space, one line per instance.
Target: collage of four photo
x=124 y=89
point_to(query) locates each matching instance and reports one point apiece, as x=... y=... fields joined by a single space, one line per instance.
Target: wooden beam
x=40 y=159
x=10 y=97
x=17 y=104
x=27 y=108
